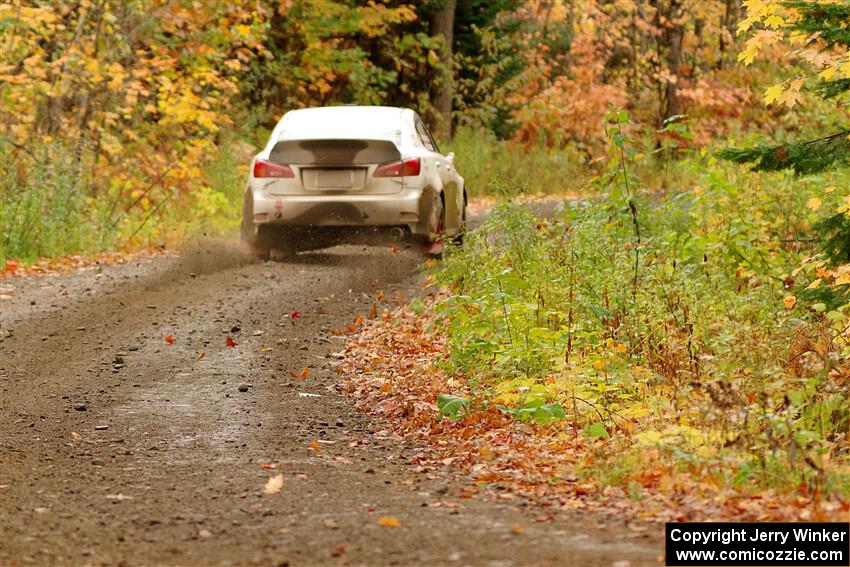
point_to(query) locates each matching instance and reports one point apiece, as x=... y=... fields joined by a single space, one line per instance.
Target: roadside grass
x=501 y=168
x=680 y=333
x=53 y=203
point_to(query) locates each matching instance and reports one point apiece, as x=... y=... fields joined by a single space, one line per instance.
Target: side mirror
x=451 y=157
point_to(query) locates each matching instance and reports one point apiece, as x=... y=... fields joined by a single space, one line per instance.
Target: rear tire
x=436 y=238
x=254 y=239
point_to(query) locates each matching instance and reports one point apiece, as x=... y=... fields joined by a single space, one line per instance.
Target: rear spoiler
x=334 y=152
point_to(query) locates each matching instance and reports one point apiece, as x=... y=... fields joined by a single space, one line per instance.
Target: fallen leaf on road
x=269 y=465
x=11 y=266
x=200 y=355
x=303 y=376
x=76 y=436
x=230 y=342
x=170 y=339
x=389 y=522
x=294 y=315
x=330 y=524
x=274 y=484
x=394 y=248
x=518 y=528
x=266 y=349
x=316 y=448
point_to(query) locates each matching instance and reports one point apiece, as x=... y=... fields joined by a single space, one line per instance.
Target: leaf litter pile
x=392 y=367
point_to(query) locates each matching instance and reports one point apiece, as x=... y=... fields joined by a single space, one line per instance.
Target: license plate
x=333 y=178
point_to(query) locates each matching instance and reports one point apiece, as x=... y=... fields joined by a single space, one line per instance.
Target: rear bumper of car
x=349 y=210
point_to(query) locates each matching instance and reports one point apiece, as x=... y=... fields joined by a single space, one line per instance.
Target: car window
x=424 y=135
x=430 y=137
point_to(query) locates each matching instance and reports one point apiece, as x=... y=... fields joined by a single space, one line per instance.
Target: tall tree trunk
x=728 y=28
x=675 y=30
x=442 y=24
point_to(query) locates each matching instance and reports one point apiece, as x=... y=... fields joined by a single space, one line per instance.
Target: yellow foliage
x=775 y=17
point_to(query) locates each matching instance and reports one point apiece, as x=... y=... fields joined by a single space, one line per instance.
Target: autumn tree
x=818 y=32
x=442 y=27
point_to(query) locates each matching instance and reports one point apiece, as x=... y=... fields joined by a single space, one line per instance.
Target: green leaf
x=548 y=413
x=596 y=431
x=451 y=406
x=836 y=316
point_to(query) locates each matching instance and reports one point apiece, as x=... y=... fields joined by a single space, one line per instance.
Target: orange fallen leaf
x=11 y=266
x=518 y=528
x=200 y=355
x=170 y=339
x=315 y=447
x=386 y=388
x=389 y=522
x=269 y=465
x=394 y=248
x=230 y=342
x=303 y=376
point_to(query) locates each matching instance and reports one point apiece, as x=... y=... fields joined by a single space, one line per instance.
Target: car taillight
x=263 y=169
x=402 y=168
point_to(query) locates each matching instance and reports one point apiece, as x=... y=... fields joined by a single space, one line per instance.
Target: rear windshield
x=343 y=124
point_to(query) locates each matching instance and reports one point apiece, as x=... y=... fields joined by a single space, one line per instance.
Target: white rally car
x=330 y=174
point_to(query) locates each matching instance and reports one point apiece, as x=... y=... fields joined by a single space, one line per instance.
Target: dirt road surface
x=117 y=448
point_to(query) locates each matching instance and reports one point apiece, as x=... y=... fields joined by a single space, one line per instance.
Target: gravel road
x=117 y=448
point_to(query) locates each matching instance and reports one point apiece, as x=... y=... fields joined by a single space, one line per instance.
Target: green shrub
x=680 y=319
